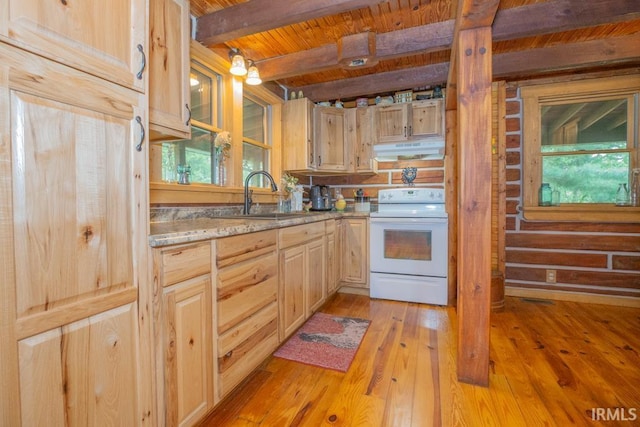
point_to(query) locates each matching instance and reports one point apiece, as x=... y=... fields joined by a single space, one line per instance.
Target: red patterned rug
x=326 y=341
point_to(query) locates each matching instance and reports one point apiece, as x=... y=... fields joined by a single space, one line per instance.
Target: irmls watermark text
x=614 y=414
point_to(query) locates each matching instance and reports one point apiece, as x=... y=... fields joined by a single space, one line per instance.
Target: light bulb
x=237 y=65
x=253 y=76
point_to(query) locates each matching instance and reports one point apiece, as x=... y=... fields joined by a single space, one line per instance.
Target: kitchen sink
x=270 y=216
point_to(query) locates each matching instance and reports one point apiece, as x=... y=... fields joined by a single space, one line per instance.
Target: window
x=256 y=139
x=206 y=120
x=581 y=138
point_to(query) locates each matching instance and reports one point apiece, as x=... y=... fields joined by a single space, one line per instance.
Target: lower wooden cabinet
x=188 y=352
x=302 y=274
x=355 y=252
x=184 y=359
x=332 y=231
x=246 y=305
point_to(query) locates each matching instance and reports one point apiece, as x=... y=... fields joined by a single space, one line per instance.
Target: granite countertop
x=172 y=232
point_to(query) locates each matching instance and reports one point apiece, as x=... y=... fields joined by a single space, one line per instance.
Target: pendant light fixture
x=238 y=67
x=253 y=75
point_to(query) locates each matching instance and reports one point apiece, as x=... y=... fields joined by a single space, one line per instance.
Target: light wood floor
x=552 y=363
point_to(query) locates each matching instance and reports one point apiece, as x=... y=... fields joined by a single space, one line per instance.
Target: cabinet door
x=331 y=143
x=364 y=141
x=83 y=373
x=355 y=268
x=427 y=118
x=188 y=360
x=293 y=281
x=104 y=38
x=169 y=98
x=297 y=135
x=317 y=283
x=392 y=122
x=74 y=231
x=332 y=265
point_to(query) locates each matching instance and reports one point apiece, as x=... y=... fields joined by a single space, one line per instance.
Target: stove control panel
x=411 y=195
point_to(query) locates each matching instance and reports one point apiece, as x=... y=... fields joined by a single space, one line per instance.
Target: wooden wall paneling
x=474 y=227
x=578 y=279
x=619 y=243
x=452 y=177
x=498 y=194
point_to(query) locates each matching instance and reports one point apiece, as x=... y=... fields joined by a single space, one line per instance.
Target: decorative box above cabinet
x=297 y=135
x=169 y=97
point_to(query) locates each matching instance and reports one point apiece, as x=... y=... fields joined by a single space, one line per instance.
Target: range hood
x=410 y=150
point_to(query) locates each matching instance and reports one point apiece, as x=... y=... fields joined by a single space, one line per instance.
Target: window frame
x=232 y=92
x=267 y=128
x=533 y=97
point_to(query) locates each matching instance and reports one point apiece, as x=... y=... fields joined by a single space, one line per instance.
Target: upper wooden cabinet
x=169 y=97
x=392 y=122
x=410 y=121
x=297 y=135
x=427 y=118
x=331 y=139
x=365 y=137
x=103 y=38
x=327 y=139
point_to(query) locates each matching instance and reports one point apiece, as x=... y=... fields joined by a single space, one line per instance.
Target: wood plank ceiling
x=305 y=45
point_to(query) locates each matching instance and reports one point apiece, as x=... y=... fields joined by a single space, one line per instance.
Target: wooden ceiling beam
x=561 y=15
x=567 y=56
x=377 y=83
x=256 y=16
x=415 y=40
x=509 y=24
x=527 y=63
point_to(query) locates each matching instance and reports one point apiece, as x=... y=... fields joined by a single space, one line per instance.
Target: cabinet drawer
x=291 y=236
x=234 y=338
x=244 y=288
x=185 y=262
x=330 y=226
x=231 y=250
x=247 y=357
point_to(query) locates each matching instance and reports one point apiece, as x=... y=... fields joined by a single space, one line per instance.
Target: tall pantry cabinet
x=75 y=337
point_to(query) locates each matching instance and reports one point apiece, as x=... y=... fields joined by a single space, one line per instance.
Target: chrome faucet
x=248 y=193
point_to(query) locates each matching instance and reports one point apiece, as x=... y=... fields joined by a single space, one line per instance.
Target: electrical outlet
x=551 y=276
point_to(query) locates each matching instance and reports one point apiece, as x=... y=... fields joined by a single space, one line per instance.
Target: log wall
x=594 y=260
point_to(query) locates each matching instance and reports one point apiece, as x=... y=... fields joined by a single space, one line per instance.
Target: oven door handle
x=408 y=220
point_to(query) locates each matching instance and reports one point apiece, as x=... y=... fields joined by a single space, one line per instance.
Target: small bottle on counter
x=622 y=195
x=544 y=195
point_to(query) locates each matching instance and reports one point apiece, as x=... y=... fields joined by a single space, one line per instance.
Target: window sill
x=575 y=212
x=162 y=193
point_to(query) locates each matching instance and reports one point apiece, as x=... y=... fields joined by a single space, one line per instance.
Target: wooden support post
x=474 y=211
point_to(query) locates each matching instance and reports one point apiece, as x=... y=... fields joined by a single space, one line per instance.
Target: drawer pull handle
x=189 y=116
x=142 y=133
x=143 y=64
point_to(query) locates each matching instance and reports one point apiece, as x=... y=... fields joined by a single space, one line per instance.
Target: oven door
x=409 y=246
